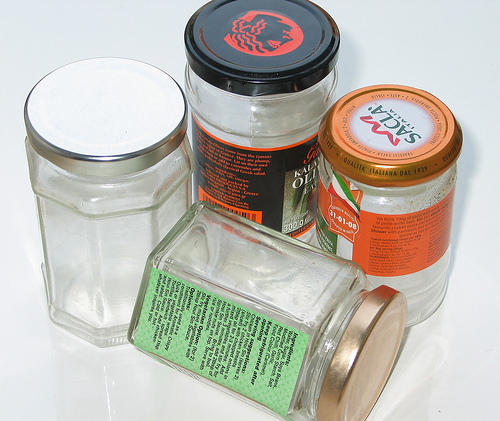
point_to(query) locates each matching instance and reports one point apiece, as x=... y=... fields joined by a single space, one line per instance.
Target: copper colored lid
x=364 y=357
x=389 y=135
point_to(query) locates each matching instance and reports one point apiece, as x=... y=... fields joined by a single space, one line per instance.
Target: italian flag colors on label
x=382 y=244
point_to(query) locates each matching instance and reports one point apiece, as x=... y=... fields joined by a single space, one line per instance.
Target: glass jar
x=110 y=166
x=283 y=325
x=261 y=74
x=388 y=171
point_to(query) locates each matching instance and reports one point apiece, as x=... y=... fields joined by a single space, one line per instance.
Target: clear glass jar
x=387 y=176
x=256 y=109
x=283 y=325
x=110 y=166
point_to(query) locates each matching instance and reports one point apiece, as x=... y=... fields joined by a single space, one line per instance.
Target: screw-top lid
x=105 y=116
x=364 y=357
x=390 y=135
x=261 y=47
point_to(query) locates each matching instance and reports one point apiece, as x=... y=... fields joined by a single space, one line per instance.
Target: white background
x=449 y=368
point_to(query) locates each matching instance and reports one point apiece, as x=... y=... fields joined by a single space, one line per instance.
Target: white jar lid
x=106 y=116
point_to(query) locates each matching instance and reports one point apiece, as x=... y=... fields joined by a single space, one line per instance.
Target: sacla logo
x=387 y=122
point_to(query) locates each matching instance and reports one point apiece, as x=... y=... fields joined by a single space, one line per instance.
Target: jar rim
x=390 y=135
x=106 y=116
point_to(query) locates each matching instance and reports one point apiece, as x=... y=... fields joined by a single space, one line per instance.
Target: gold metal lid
x=390 y=136
x=364 y=357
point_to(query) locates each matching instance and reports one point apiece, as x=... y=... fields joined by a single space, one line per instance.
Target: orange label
x=255 y=216
x=389 y=245
x=342 y=221
x=395 y=245
x=339 y=205
x=341 y=218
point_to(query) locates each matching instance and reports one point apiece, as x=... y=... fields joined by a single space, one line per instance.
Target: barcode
x=255 y=216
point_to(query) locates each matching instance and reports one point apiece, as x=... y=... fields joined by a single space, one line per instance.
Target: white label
x=392 y=125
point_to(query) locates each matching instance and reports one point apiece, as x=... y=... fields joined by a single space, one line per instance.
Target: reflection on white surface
x=449 y=368
x=121 y=383
x=434 y=375
x=97 y=383
x=69 y=379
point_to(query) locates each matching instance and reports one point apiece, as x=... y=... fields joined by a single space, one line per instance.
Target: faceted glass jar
x=107 y=190
x=250 y=311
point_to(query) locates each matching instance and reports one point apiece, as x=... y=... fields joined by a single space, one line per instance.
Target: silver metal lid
x=106 y=116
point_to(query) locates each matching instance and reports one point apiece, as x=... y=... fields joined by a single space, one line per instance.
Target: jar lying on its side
x=260 y=76
x=274 y=321
x=110 y=166
x=387 y=177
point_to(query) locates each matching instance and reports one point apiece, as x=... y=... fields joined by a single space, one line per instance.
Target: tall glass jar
x=283 y=325
x=261 y=74
x=110 y=166
x=388 y=171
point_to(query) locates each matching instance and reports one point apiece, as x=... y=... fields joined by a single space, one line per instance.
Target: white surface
x=449 y=368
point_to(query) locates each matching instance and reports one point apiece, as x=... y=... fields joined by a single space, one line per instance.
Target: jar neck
x=103 y=196
x=447 y=178
x=293 y=116
x=323 y=349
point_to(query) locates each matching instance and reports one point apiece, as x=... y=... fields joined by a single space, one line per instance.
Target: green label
x=225 y=342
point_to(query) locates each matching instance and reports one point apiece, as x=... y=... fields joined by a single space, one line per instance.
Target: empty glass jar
x=274 y=321
x=261 y=74
x=387 y=179
x=110 y=166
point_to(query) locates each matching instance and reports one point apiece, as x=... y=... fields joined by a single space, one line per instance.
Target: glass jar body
x=96 y=232
x=402 y=238
x=237 y=274
x=269 y=150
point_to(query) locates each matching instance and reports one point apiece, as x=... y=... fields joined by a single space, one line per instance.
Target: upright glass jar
x=261 y=74
x=388 y=171
x=110 y=166
x=283 y=325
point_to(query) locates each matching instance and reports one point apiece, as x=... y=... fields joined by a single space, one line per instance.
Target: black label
x=274 y=187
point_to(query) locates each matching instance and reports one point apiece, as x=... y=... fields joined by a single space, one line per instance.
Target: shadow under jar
x=110 y=167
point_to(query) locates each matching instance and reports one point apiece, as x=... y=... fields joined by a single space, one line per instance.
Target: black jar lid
x=261 y=47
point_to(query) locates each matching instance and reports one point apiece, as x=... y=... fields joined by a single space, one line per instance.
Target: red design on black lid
x=264 y=34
